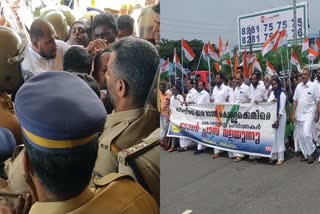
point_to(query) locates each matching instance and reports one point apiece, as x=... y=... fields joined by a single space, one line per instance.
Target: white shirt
x=307 y=97
x=259 y=93
x=192 y=96
x=37 y=64
x=282 y=109
x=231 y=94
x=203 y=97
x=176 y=101
x=242 y=94
x=220 y=94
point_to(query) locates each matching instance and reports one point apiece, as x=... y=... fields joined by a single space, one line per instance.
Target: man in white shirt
x=267 y=83
x=221 y=94
x=44 y=53
x=241 y=95
x=191 y=98
x=203 y=98
x=306 y=108
x=257 y=89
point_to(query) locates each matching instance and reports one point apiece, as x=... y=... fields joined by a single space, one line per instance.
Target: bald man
x=45 y=52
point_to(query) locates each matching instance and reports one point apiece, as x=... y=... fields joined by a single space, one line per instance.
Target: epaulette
x=110 y=178
x=146 y=144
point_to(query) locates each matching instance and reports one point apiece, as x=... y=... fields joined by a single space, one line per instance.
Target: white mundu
x=203 y=98
x=306 y=96
x=220 y=94
x=192 y=96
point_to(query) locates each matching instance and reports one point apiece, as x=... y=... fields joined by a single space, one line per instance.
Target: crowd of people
x=78 y=132
x=298 y=109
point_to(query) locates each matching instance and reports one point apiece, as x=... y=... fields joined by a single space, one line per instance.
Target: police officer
x=59 y=132
x=131 y=127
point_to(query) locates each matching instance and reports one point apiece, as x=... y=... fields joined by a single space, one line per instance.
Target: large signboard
x=256 y=28
x=245 y=128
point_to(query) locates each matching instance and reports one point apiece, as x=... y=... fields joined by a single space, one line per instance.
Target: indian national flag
x=294 y=60
x=281 y=42
x=225 y=53
x=270 y=69
x=187 y=51
x=236 y=63
x=217 y=66
x=313 y=54
x=212 y=53
x=220 y=46
x=205 y=53
x=269 y=44
x=177 y=63
x=254 y=65
x=305 y=47
x=165 y=69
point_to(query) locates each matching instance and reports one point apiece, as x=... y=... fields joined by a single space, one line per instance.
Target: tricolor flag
x=187 y=51
x=270 y=69
x=225 y=53
x=236 y=63
x=165 y=69
x=254 y=65
x=205 y=53
x=294 y=60
x=177 y=63
x=312 y=54
x=212 y=53
x=281 y=42
x=245 y=64
x=305 y=47
x=220 y=46
x=269 y=44
x=217 y=66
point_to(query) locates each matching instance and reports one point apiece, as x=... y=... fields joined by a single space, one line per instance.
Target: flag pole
x=169 y=71
x=284 y=82
x=209 y=72
x=200 y=59
x=175 y=69
x=182 y=68
x=289 y=69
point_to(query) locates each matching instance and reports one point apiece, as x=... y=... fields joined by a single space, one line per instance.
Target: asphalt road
x=200 y=184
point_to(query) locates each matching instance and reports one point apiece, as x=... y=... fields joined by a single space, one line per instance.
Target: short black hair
x=93 y=84
x=86 y=28
x=125 y=22
x=257 y=75
x=104 y=19
x=63 y=175
x=220 y=75
x=97 y=61
x=203 y=83
x=190 y=81
x=156 y=8
x=77 y=59
x=136 y=62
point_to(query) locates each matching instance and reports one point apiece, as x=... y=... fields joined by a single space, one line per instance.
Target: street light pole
x=295 y=22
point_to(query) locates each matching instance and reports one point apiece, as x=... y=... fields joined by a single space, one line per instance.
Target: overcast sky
x=207 y=19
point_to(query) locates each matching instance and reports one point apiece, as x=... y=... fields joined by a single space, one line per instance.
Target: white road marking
x=187 y=212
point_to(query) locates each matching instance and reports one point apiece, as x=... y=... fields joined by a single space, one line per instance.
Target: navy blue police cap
x=7 y=144
x=59 y=112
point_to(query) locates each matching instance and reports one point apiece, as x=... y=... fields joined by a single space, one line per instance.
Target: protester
x=203 y=98
x=164 y=110
x=306 y=108
x=191 y=98
x=175 y=100
x=125 y=26
x=278 y=95
x=44 y=53
x=79 y=34
x=77 y=59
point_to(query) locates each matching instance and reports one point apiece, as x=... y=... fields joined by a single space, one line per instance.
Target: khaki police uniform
x=7 y=117
x=114 y=193
x=127 y=129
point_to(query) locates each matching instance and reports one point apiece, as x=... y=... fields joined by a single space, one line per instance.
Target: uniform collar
x=306 y=85
x=62 y=206
x=118 y=117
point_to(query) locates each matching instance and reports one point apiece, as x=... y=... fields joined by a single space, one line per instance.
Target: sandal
x=280 y=162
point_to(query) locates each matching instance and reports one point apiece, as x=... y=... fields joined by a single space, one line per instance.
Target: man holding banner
x=191 y=98
x=220 y=94
x=241 y=95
